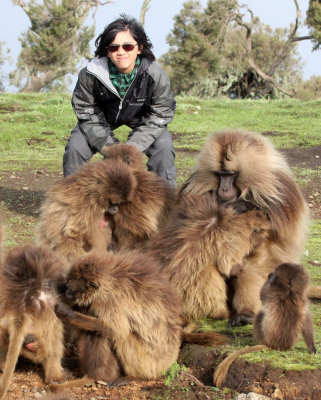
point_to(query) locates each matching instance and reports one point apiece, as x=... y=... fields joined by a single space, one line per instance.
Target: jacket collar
x=98 y=66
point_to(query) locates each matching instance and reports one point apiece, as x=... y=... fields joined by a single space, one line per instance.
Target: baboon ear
x=94 y=285
x=127 y=160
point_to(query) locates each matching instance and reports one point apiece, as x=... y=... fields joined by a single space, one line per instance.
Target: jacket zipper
x=122 y=99
x=115 y=92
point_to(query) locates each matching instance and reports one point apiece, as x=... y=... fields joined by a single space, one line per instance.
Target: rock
x=251 y=396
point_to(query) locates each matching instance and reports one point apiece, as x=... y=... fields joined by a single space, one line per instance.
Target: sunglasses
x=126 y=46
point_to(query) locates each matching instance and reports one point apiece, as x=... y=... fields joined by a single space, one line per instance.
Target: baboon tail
x=204 y=338
x=223 y=367
x=58 y=387
x=314 y=292
x=15 y=343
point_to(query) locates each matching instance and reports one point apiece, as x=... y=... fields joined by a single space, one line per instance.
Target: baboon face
x=80 y=291
x=227 y=190
x=83 y=282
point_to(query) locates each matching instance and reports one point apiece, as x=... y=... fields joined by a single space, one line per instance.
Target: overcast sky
x=159 y=22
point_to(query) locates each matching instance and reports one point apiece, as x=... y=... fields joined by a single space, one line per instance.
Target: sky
x=159 y=22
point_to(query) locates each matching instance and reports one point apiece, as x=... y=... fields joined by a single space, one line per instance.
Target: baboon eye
x=271 y=278
x=93 y=284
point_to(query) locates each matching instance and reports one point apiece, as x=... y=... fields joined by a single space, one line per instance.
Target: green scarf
x=119 y=80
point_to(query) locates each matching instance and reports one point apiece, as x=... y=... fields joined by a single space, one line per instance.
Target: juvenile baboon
x=126 y=153
x=284 y=315
x=202 y=246
x=244 y=165
x=151 y=204
x=75 y=216
x=131 y=317
x=29 y=280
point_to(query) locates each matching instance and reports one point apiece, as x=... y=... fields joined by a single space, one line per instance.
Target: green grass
x=34 y=129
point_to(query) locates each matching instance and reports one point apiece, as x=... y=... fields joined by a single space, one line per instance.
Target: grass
x=34 y=129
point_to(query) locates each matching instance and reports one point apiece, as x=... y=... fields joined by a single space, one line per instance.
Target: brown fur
x=131 y=316
x=1 y=242
x=28 y=293
x=200 y=248
x=126 y=153
x=151 y=204
x=73 y=218
x=283 y=317
x=264 y=179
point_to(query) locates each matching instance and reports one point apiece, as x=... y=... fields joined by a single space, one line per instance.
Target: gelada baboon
x=202 y=246
x=131 y=317
x=29 y=281
x=284 y=315
x=75 y=215
x=126 y=153
x=151 y=204
x=244 y=165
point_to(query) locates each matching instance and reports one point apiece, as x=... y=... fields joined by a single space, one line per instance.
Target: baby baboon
x=202 y=246
x=283 y=317
x=151 y=204
x=75 y=216
x=131 y=320
x=29 y=280
x=243 y=165
x=126 y=153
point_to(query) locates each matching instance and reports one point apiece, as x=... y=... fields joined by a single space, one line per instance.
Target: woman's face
x=124 y=60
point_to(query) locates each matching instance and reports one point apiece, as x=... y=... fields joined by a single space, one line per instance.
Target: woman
x=123 y=85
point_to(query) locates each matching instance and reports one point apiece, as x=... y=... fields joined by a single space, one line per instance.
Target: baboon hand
x=62 y=310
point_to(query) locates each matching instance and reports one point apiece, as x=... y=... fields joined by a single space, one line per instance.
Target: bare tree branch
x=143 y=11
x=300 y=38
x=263 y=75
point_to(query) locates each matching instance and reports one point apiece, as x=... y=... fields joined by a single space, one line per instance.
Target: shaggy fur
x=131 y=314
x=29 y=280
x=151 y=204
x=284 y=315
x=264 y=179
x=126 y=153
x=200 y=248
x=74 y=216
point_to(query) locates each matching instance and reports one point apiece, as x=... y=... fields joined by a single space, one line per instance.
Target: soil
x=23 y=192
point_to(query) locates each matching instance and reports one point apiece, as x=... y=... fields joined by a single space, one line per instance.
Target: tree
x=3 y=59
x=195 y=41
x=215 y=51
x=143 y=11
x=55 y=42
x=314 y=22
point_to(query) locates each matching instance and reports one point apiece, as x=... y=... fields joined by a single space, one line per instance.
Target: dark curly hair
x=124 y=23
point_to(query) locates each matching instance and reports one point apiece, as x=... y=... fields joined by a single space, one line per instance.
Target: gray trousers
x=161 y=155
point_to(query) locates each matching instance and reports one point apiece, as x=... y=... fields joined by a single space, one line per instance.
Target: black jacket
x=147 y=107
